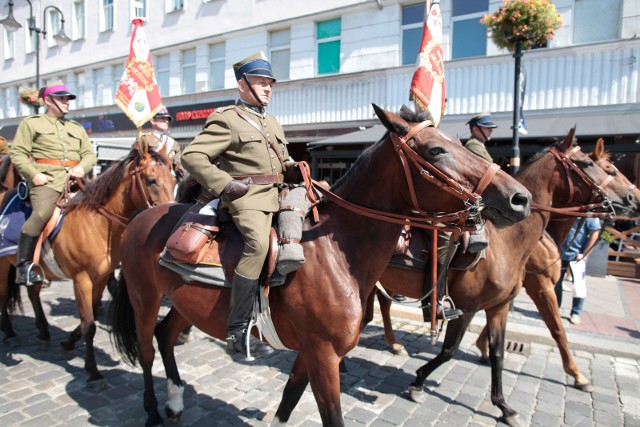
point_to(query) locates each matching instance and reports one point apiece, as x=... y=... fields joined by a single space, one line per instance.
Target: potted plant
x=530 y=22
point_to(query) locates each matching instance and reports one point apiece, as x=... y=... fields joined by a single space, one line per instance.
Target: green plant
x=530 y=22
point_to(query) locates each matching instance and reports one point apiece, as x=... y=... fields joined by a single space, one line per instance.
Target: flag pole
x=515 y=149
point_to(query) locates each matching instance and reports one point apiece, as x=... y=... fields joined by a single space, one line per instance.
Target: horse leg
x=497 y=322
x=9 y=297
x=483 y=345
x=389 y=334
x=297 y=383
x=545 y=299
x=166 y=334
x=44 y=337
x=455 y=332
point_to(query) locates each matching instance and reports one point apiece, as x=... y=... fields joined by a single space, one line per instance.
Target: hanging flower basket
x=531 y=22
x=29 y=96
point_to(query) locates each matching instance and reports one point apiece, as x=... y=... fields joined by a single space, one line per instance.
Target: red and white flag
x=427 y=85
x=138 y=94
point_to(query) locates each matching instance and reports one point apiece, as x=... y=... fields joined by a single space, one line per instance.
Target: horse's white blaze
x=175 y=401
x=445 y=136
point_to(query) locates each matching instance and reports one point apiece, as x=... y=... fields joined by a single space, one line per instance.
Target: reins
x=456 y=221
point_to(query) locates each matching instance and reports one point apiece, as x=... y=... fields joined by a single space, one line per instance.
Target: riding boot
x=243 y=292
x=26 y=248
x=445 y=313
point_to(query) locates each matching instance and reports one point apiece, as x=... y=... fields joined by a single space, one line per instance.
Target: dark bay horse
x=496 y=280
x=87 y=247
x=318 y=311
x=540 y=279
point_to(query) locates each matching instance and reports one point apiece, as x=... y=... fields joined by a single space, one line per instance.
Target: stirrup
x=33 y=265
x=449 y=313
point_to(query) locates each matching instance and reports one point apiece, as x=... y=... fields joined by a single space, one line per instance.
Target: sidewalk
x=610 y=320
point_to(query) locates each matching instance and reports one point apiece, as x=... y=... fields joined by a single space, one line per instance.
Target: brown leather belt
x=277 y=178
x=56 y=162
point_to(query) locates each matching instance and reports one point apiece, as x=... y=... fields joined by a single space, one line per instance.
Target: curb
x=534 y=331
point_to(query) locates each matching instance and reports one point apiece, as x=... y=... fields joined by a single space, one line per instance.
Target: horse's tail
x=123 y=325
x=14 y=301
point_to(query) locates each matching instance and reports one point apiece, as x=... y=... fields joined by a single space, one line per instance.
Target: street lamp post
x=10 y=23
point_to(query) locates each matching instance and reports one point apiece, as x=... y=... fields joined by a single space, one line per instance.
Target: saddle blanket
x=13 y=217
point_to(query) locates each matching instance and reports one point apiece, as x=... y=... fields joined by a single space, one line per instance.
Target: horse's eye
x=151 y=181
x=435 y=151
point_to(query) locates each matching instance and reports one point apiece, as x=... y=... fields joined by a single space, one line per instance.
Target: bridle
x=603 y=209
x=467 y=219
x=138 y=196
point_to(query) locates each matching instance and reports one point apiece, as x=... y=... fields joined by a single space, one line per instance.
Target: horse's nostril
x=520 y=199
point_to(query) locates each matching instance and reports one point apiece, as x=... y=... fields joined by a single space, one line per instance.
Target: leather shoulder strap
x=271 y=143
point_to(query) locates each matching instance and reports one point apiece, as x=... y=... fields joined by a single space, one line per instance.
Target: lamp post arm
x=44 y=18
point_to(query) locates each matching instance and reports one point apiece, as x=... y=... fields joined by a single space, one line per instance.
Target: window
x=280 y=53
x=29 y=37
x=469 y=35
x=412 y=25
x=78 y=25
x=162 y=74
x=188 y=83
x=118 y=71
x=80 y=88
x=216 y=66
x=98 y=87
x=328 y=33
x=139 y=9
x=173 y=5
x=106 y=15
x=54 y=26
x=589 y=15
x=9 y=44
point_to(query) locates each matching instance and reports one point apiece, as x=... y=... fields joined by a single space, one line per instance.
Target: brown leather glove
x=235 y=189
x=293 y=175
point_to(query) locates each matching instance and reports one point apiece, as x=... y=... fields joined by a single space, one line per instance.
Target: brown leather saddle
x=213 y=240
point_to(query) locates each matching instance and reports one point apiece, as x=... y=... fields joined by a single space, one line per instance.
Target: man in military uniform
x=166 y=146
x=241 y=156
x=46 y=149
x=481 y=126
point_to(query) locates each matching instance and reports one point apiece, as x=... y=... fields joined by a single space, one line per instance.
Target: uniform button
x=272 y=156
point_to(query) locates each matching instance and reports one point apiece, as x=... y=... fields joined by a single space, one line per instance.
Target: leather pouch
x=193 y=236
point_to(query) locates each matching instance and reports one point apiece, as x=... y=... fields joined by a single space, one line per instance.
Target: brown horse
x=87 y=247
x=496 y=280
x=9 y=175
x=318 y=311
x=540 y=278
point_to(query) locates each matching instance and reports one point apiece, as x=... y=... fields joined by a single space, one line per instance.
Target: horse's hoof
x=154 y=420
x=484 y=360
x=586 y=387
x=171 y=414
x=67 y=354
x=43 y=344
x=182 y=339
x=399 y=350
x=511 y=420
x=97 y=385
x=417 y=394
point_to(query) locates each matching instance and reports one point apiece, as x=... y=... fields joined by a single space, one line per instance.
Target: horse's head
x=436 y=158
x=152 y=182
x=628 y=201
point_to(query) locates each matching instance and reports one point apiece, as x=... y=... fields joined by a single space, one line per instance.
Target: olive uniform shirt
x=47 y=137
x=479 y=149
x=237 y=148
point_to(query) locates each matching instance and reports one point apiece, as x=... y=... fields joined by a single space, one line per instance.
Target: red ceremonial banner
x=427 y=85
x=138 y=94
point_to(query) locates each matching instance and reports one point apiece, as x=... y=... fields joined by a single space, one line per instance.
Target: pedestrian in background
x=167 y=146
x=481 y=127
x=576 y=247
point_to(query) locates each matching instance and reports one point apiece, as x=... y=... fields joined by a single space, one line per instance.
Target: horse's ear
x=392 y=122
x=568 y=141
x=599 y=152
x=142 y=144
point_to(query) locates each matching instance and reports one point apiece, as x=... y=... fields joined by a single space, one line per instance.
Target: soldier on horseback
x=241 y=156
x=47 y=149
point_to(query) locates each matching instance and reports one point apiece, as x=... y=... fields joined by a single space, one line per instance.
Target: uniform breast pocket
x=251 y=145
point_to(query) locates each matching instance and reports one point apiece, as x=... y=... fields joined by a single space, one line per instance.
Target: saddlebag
x=193 y=236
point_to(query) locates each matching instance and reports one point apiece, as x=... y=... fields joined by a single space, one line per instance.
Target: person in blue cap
x=481 y=126
x=241 y=157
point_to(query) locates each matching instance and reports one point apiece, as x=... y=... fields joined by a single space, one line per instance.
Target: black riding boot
x=26 y=247
x=243 y=292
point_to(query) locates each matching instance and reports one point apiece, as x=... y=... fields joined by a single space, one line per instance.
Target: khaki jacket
x=478 y=148
x=170 y=149
x=45 y=136
x=237 y=148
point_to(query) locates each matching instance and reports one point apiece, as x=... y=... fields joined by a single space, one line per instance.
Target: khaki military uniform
x=228 y=146
x=47 y=137
x=169 y=148
x=478 y=148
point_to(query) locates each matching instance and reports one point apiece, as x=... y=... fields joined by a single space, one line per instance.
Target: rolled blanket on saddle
x=293 y=209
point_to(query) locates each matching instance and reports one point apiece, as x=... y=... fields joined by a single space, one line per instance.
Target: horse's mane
x=4 y=170
x=190 y=191
x=100 y=189
x=556 y=143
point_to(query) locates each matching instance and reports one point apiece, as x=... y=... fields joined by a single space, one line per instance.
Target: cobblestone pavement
x=42 y=388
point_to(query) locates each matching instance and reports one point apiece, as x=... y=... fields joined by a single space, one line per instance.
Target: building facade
x=332 y=58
